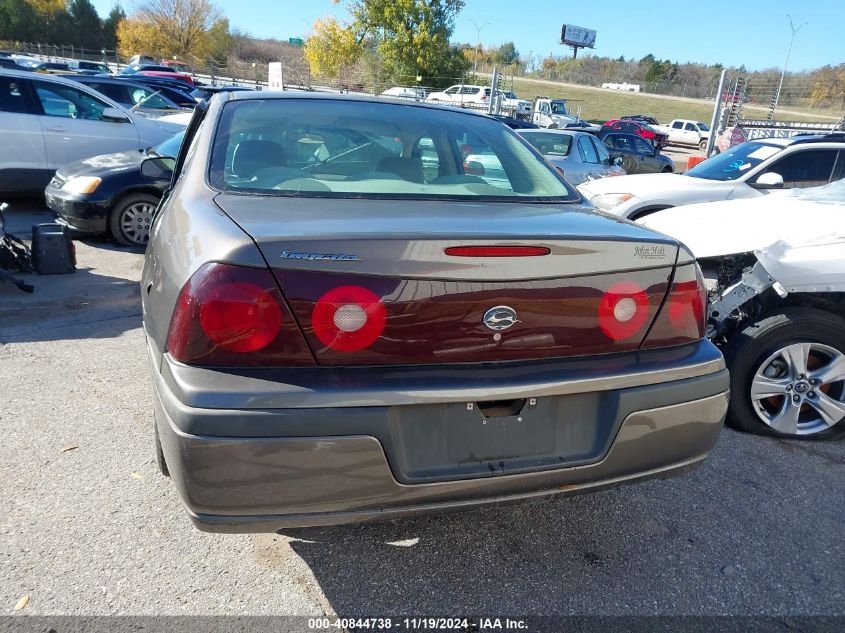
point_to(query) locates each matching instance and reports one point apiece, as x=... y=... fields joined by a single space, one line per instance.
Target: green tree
x=87 y=30
x=412 y=37
x=109 y=27
x=506 y=54
x=18 y=21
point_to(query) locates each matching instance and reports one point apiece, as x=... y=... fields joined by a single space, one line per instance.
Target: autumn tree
x=331 y=47
x=412 y=37
x=174 y=28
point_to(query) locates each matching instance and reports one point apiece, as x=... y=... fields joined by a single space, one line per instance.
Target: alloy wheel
x=800 y=389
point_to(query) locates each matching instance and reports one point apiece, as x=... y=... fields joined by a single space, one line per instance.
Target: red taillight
x=232 y=315
x=348 y=318
x=496 y=251
x=686 y=305
x=682 y=317
x=240 y=317
x=623 y=310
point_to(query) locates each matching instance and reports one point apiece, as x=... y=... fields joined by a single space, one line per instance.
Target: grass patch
x=601 y=105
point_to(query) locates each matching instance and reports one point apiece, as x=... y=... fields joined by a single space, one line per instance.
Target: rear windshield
x=340 y=148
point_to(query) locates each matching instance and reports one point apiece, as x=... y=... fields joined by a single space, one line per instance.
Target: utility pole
x=478 y=30
x=717 y=111
x=788 y=51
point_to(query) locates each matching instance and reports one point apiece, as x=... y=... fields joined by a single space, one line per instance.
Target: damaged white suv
x=775 y=271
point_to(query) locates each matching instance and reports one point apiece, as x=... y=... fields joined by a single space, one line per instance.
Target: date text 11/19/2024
x=418 y=624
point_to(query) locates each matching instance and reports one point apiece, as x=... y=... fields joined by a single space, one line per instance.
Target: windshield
x=703 y=126
x=360 y=149
x=170 y=147
x=559 y=107
x=549 y=142
x=735 y=162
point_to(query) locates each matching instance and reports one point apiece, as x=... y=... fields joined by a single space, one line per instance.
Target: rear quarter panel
x=189 y=230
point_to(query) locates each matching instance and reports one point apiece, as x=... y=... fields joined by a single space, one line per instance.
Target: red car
x=169 y=75
x=659 y=139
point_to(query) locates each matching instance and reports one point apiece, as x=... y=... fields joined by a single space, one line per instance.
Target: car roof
x=246 y=95
x=26 y=74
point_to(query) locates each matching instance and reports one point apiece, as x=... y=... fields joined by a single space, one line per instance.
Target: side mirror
x=617 y=160
x=114 y=115
x=769 y=180
x=158 y=168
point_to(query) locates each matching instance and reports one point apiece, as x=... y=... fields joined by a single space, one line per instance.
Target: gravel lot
x=96 y=530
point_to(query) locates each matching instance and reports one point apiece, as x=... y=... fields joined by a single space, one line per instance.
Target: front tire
x=702 y=145
x=131 y=219
x=788 y=375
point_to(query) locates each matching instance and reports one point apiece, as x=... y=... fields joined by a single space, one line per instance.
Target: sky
x=755 y=33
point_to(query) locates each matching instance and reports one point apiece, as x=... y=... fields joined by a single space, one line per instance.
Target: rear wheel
x=788 y=375
x=667 y=170
x=131 y=218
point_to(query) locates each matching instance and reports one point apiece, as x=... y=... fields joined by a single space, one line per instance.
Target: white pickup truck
x=686 y=132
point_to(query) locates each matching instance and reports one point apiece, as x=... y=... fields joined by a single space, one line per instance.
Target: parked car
x=181 y=77
x=25 y=61
x=51 y=67
x=514 y=104
x=131 y=69
x=461 y=94
x=640 y=118
x=403 y=92
x=745 y=171
x=579 y=156
x=178 y=92
x=552 y=113
x=158 y=70
x=515 y=123
x=686 y=132
x=777 y=304
x=88 y=68
x=131 y=94
x=616 y=126
x=8 y=62
x=51 y=121
x=637 y=154
x=108 y=195
x=416 y=343
x=177 y=66
x=142 y=60
x=206 y=92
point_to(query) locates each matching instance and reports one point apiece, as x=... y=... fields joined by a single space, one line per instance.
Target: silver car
x=579 y=156
x=347 y=321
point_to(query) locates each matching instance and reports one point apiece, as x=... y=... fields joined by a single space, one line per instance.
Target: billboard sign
x=577 y=36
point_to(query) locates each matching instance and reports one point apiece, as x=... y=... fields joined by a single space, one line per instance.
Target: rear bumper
x=258 y=468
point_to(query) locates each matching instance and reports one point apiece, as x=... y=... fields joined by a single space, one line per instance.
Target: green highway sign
x=296 y=41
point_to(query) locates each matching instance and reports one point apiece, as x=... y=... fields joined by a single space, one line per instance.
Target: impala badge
x=500 y=318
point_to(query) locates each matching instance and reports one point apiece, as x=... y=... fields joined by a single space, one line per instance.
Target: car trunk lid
x=443 y=303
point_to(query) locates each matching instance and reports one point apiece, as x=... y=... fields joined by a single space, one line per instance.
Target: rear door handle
x=56 y=128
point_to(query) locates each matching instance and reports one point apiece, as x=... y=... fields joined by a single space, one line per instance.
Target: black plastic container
x=53 y=252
